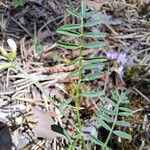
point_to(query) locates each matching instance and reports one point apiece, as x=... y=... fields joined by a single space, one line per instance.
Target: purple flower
x=121 y=57
x=112 y=54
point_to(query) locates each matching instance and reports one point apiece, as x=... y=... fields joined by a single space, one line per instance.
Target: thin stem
x=76 y=140
x=78 y=87
x=112 y=127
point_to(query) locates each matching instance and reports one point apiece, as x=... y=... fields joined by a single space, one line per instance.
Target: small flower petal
x=112 y=54
x=122 y=58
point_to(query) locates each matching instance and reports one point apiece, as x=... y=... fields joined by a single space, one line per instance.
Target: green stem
x=78 y=87
x=112 y=127
x=75 y=142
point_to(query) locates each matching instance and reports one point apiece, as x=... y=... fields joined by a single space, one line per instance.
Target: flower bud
x=13 y=47
x=12 y=44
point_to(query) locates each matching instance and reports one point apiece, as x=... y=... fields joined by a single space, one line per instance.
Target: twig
x=18 y=23
x=145 y=97
x=48 y=22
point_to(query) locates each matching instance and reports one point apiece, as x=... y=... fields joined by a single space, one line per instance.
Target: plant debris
x=26 y=115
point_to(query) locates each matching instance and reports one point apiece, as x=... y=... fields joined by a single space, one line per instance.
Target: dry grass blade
x=55 y=69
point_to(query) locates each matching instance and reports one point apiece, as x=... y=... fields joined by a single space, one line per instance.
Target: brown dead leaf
x=43 y=126
x=94 y=4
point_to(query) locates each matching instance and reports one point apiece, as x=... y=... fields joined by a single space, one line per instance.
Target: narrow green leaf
x=70 y=26
x=73 y=12
x=106 y=117
x=89 y=14
x=123 y=123
x=115 y=95
x=72 y=62
x=124 y=102
x=124 y=96
x=68 y=32
x=107 y=111
x=96 y=140
x=125 y=114
x=68 y=136
x=109 y=101
x=83 y=7
x=73 y=74
x=122 y=134
x=126 y=109
x=103 y=124
x=96 y=59
x=65 y=103
x=93 y=94
x=95 y=34
x=93 y=76
x=92 y=23
x=67 y=45
x=94 y=65
x=95 y=44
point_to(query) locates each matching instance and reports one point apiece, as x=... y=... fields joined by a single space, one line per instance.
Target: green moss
x=133 y=72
